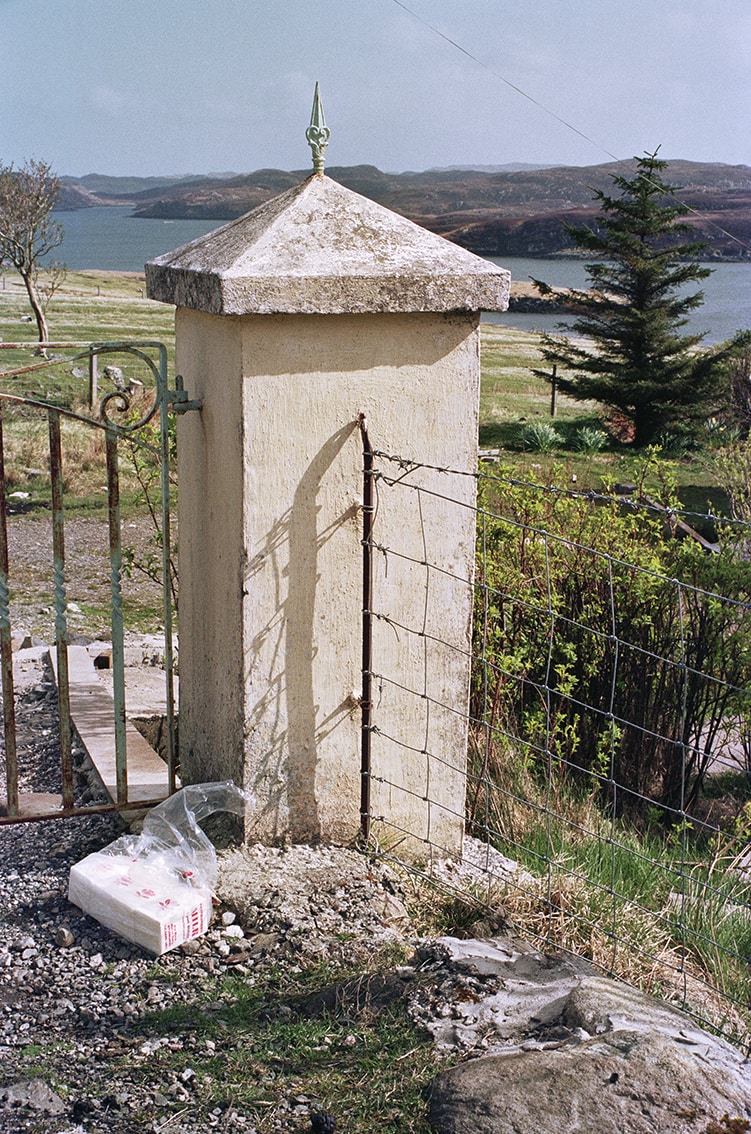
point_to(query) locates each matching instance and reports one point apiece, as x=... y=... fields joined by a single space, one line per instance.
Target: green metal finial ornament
x=317 y=133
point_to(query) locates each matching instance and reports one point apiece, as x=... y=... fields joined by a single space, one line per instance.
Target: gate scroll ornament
x=114 y=416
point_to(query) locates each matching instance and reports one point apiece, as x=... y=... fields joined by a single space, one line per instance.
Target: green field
x=106 y=306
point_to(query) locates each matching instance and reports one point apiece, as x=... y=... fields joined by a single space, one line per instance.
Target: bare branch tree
x=27 y=231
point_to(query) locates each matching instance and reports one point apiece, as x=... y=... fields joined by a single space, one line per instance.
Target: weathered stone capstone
x=322 y=249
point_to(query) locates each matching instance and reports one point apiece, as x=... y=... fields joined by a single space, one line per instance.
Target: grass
x=90 y=307
x=514 y=404
x=262 y=1046
x=266 y=1046
x=660 y=908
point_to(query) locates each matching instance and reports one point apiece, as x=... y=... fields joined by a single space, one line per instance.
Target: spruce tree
x=636 y=360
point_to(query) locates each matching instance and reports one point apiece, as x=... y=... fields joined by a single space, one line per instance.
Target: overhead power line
x=546 y=110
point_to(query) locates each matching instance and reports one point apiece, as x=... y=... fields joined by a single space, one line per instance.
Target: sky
x=156 y=87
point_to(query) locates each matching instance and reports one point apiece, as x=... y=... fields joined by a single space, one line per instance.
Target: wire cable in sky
x=546 y=110
x=503 y=79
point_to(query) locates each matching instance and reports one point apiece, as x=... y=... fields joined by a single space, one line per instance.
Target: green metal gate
x=137 y=406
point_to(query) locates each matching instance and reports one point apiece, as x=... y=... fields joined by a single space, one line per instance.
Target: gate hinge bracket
x=179 y=400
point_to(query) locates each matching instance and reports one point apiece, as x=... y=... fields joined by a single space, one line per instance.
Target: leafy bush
x=606 y=654
x=733 y=465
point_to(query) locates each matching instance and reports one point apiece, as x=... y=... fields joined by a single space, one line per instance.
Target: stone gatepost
x=291 y=322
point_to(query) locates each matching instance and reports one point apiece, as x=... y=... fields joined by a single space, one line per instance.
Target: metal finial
x=317 y=133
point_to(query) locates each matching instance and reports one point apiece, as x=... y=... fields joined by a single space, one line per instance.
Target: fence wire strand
x=598 y=765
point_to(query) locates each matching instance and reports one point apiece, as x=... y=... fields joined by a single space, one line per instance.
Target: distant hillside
x=518 y=213
x=100 y=189
x=510 y=167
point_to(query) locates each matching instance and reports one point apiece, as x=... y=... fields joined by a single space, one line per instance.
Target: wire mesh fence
x=607 y=772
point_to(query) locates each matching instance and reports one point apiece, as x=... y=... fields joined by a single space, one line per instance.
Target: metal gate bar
x=166 y=401
x=116 y=623
x=178 y=402
x=6 y=647
x=61 y=606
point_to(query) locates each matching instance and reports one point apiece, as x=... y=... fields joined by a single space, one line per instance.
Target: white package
x=145 y=902
x=156 y=888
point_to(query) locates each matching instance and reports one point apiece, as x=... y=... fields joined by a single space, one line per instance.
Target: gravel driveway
x=87 y=573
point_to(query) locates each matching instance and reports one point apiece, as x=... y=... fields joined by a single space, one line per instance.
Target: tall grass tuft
x=540 y=437
x=589 y=441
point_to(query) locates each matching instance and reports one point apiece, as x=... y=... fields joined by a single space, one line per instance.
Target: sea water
x=725 y=310
x=112 y=239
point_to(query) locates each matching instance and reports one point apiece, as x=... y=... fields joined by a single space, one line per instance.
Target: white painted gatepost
x=291 y=322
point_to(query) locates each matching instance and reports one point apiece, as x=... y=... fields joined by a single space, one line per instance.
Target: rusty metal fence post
x=6 y=646
x=366 y=703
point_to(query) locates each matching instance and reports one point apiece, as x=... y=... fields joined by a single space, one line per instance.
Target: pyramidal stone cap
x=320 y=248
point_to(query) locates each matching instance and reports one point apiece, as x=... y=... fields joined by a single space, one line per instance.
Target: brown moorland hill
x=521 y=213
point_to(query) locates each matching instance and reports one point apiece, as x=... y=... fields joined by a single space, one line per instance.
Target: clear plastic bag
x=171 y=835
x=156 y=888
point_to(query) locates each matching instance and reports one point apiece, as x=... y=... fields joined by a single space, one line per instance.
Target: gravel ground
x=79 y=996
x=77 y=1052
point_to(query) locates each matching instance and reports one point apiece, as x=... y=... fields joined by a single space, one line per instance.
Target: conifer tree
x=637 y=361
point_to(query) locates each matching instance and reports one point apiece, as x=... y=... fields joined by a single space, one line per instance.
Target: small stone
x=190 y=948
x=234 y=931
x=264 y=942
x=96 y=960
x=229 y=918
x=34 y=1094
x=64 y=937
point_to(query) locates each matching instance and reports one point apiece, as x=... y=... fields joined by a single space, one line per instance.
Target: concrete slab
x=36 y=805
x=92 y=710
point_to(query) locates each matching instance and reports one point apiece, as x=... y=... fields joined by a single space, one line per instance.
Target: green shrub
x=605 y=652
x=539 y=437
x=589 y=441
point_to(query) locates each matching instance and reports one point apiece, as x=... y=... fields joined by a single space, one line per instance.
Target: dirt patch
x=88 y=585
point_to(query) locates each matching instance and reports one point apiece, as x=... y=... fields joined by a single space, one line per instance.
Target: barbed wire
x=489 y=798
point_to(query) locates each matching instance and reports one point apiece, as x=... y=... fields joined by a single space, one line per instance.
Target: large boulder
x=572 y=1051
